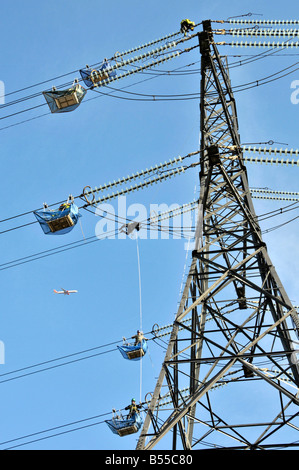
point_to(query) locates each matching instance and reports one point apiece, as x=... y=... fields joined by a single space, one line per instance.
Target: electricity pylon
x=230 y=376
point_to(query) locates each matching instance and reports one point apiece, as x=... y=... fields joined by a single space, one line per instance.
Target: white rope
x=140 y=310
x=82 y=229
x=139 y=276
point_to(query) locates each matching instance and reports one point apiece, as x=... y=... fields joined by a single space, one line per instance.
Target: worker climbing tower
x=230 y=376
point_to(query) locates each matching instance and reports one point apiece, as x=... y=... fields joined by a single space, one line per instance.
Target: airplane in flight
x=64 y=291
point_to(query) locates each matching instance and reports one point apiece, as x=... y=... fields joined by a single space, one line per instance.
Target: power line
x=44 y=363
x=54 y=429
x=150 y=97
x=158 y=168
x=149 y=225
x=118 y=65
x=53 y=367
x=65 y=247
x=120 y=181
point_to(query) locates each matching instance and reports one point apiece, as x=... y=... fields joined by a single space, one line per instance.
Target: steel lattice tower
x=235 y=324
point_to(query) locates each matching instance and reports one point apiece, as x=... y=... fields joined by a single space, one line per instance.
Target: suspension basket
x=60 y=224
x=134 y=353
x=61 y=101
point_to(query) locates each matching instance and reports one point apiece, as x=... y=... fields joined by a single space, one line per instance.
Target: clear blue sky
x=46 y=159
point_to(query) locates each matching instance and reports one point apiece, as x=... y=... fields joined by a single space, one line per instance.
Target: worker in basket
x=64 y=206
x=139 y=337
x=187 y=25
x=133 y=408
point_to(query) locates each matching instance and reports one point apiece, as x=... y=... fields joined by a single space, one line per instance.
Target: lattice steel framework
x=235 y=325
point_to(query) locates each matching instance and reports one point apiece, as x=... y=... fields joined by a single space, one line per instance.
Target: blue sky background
x=47 y=158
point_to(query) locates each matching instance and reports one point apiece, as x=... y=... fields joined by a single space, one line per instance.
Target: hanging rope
x=140 y=309
x=82 y=229
x=139 y=277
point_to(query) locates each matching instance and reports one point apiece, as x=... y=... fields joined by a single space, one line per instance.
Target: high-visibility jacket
x=187 y=24
x=133 y=408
